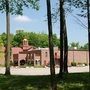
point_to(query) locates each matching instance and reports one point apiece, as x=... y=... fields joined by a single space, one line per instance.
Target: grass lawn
x=78 y=81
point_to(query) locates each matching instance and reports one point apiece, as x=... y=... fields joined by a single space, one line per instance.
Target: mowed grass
x=24 y=82
x=75 y=81
x=78 y=81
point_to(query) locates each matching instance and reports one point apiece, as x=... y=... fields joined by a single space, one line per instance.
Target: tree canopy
x=16 y=6
x=35 y=39
x=38 y=40
x=69 y=7
x=1 y=41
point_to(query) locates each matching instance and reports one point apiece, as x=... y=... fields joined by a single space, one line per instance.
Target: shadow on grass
x=24 y=82
x=75 y=81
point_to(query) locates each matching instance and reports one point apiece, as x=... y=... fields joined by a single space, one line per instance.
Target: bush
x=73 y=63
x=79 y=64
x=82 y=64
x=85 y=64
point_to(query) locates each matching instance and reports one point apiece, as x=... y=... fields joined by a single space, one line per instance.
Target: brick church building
x=28 y=54
x=32 y=55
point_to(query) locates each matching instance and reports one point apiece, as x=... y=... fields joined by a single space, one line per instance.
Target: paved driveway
x=41 y=71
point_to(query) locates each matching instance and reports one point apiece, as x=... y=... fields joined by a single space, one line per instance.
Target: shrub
x=82 y=64
x=85 y=64
x=11 y=63
x=79 y=63
x=73 y=63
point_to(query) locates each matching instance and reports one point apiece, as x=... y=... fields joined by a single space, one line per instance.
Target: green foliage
x=85 y=47
x=16 y=6
x=74 y=44
x=1 y=41
x=56 y=41
x=73 y=64
x=79 y=47
x=35 y=39
x=18 y=38
x=79 y=4
x=42 y=40
x=85 y=64
x=4 y=39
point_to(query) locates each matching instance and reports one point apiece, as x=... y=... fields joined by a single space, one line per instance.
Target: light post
x=74 y=48
x=87 y=57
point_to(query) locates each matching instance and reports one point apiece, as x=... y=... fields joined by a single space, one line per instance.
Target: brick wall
x=78 y=57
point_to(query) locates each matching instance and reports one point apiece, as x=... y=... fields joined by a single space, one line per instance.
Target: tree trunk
x=63 y=41
x=65 y=47
x=88 y=17
x=7 y=58
x=52 y=63
x=61 y=38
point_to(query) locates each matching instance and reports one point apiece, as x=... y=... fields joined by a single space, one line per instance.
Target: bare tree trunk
x=65 y=47
x=52 y=63
x=88 y=16
x=63 y=41
x=7 y=58
x=61 y=38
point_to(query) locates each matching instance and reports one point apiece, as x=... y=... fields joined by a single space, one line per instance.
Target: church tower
x=25 y=43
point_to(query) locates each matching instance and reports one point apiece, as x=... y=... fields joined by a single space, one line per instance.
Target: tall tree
x=13 y=7
x=84 y=6
x=52 y=64
x=88 y=17
x=60 y=11
x=63 y=39
x=69 y=4
x=65 y=46
x=61 y=36
x=7 y=58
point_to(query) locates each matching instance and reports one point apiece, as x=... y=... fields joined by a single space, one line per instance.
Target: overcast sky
x=34 y=21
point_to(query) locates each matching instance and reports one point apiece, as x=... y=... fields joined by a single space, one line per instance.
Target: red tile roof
x=16 y=50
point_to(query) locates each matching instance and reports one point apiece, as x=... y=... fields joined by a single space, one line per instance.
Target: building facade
x=40 y=56
x=32 y=55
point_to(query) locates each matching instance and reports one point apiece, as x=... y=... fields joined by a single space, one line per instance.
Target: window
x=55 y=54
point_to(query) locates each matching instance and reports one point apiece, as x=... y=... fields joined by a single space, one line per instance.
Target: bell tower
x=25 y=42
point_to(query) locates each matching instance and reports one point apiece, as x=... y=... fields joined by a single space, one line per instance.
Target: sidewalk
x=41 y=71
